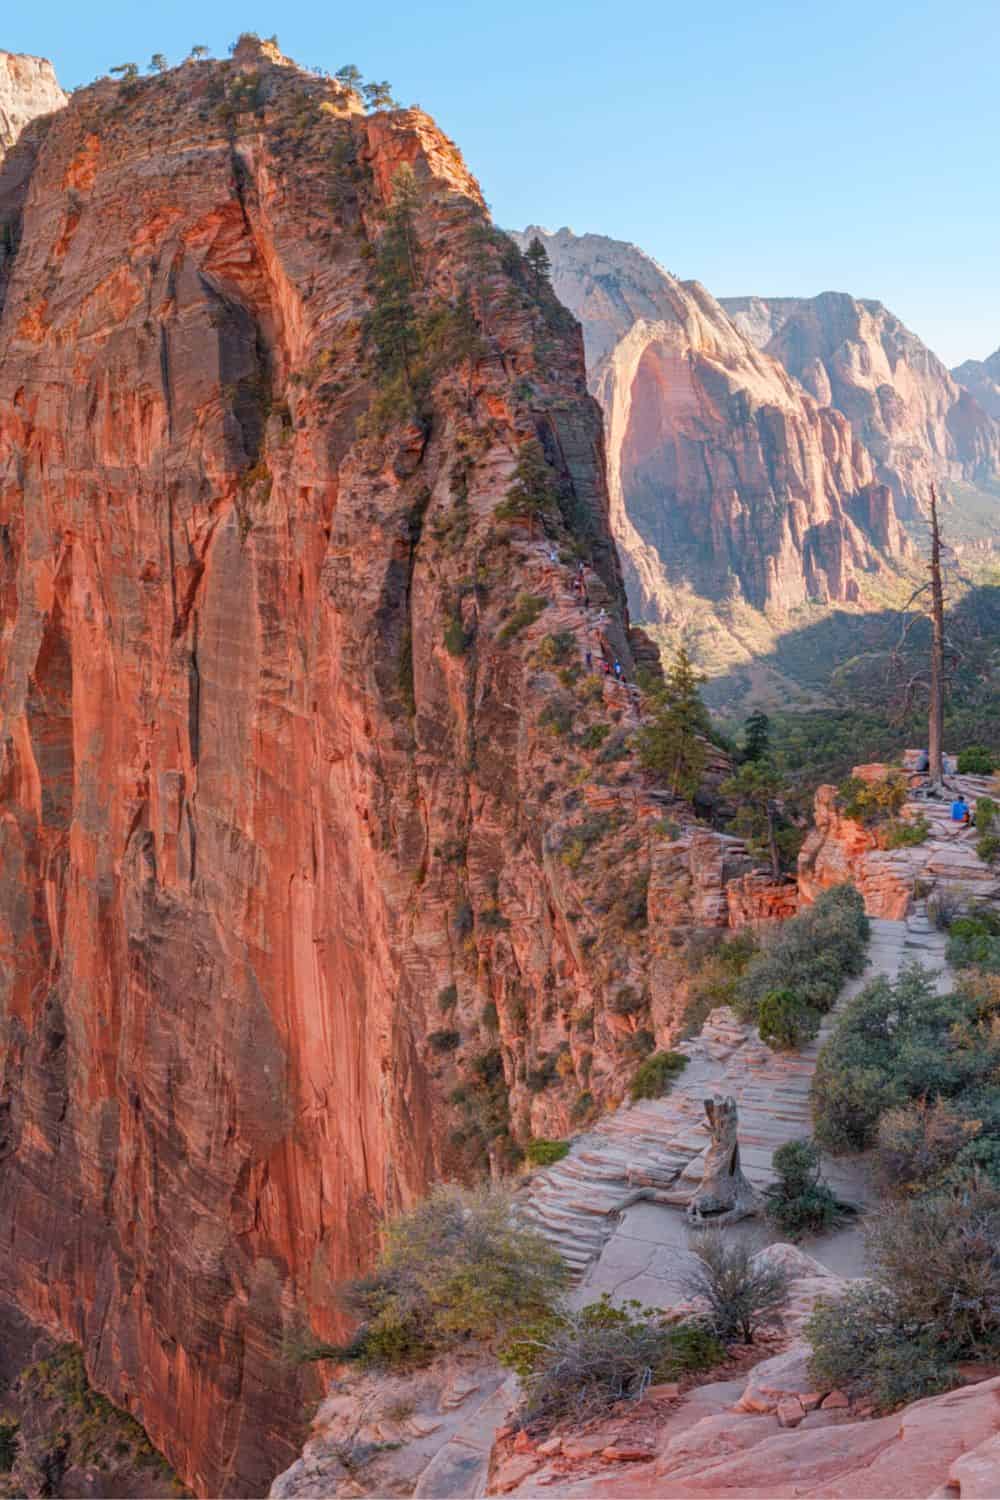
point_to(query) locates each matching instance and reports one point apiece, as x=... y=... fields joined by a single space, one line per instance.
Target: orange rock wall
x=300 y=907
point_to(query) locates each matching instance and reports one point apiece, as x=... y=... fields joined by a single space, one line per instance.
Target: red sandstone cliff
x=317 y=877
x=723 y=473
x=918 y=423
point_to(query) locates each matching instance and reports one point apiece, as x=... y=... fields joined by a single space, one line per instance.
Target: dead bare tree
x=931 y=676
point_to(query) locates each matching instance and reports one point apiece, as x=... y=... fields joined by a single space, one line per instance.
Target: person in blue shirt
x=959 y=810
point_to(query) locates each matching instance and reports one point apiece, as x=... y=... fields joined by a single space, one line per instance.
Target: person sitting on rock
x=959 y=810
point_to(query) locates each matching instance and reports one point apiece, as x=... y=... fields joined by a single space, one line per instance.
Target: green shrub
x=975 y=941
x=903 y=834
x=581 y=1365
x=976 y=760
x=811 y=954
x=800 y=1202
x=543 y=1153
x=988 y=847
x=448 y=997
x=863 y=1345
x=454 y=1268
x=594 y=735
x=455 y=638
x=894 y=1042
x=785 y=1021
x=655 y=1075
x=444 y=1041
x=743 y=1293
x=526 y=612
x=986 y=813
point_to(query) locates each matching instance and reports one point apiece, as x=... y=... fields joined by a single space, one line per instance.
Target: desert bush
x=655 y=1074
x=444 y=1041
x=743 y=1293
x=455 y=1267
x=976 y=760
x=940 y=1255
x=871 y=802
x=800 y=1202
x=811 y=954
x=918 y=1142
x=544 y=1153
x=785 y=1021
x=944 y=904
x=986 y=814
x=863 y=1345
x=902 y=833
x=583 y=1363
x=988 y=847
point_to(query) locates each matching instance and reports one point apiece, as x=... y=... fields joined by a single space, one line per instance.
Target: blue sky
x=777 y=148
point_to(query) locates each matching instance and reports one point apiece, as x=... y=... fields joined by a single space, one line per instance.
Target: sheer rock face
x=981 y=377
x=28 y=88
x=302 y=898
x=917 y=422
x=723 y=473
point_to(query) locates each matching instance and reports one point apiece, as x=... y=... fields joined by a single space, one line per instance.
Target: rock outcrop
x=28 y=88
x=839 y=849
x=771 y=1433
x=325 y=866
x=981 y=378
x=724 y=475
x=919 y=424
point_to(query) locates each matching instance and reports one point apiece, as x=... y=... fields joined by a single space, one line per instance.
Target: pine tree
x=392 y=325
x=157 y=63
x=349 y=76
x=756 y=736
x=198 y=52
x=126 y=71
x=756 y=789
x=672 y=742
x=538 y=263
x=379 y=95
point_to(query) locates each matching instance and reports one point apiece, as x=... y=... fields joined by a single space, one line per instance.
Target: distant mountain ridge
x=981 y=377
x=725 y=474
x=917 y=421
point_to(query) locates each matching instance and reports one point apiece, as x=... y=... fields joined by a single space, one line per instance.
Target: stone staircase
x=654 y=1149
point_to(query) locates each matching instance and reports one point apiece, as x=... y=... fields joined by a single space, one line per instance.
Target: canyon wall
x=326 y=869
x=919 y=424
x=724 y=474
x=981 y=378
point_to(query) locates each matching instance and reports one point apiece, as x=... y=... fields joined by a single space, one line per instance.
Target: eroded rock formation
x=914 y=418
x=723 y=473
x=325 y=867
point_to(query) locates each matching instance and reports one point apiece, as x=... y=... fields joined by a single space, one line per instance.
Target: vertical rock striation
x=324 y=868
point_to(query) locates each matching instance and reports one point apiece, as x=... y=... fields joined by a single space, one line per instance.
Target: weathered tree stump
x=724 y=1195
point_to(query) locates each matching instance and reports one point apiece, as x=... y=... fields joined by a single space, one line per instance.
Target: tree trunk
x=935 y=730
x=772 y=839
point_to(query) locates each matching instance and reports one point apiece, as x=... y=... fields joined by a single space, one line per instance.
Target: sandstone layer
x=919 y=424
x=724 y=474
x=325 y=866
x=28 y=88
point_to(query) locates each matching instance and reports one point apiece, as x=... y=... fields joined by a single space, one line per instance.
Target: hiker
x=960 y=810
x=618 y=669
x=607 y=667
x=590 y=661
